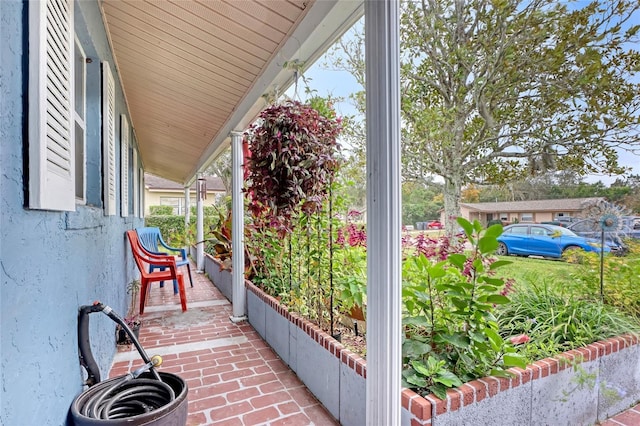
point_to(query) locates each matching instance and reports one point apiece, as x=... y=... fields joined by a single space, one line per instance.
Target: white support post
x=199 y=224
x=239 y=293
x=384 y=355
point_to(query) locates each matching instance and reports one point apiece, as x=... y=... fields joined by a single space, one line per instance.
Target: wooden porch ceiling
x=194 y=70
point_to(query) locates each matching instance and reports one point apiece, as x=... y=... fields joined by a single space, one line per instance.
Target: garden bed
x=579 y=387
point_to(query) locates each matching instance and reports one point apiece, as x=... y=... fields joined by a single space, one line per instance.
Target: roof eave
x=322 y=25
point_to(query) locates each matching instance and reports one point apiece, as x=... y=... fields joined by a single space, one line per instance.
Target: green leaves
x=449 y=314
x=293 y=160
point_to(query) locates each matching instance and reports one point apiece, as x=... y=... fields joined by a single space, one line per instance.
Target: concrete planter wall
x=546 y=392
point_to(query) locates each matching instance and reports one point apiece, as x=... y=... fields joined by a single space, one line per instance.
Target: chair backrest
x=138 y=255
x=149 y=237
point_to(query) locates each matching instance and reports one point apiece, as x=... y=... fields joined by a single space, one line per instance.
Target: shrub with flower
x=451 y=334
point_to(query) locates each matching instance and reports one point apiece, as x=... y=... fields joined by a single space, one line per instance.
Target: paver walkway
x=631 y=417
x=234 y=378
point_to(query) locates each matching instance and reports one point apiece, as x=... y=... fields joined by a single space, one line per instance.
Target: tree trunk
x=452 y=191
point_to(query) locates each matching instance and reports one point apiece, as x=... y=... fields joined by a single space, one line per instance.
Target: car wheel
x=572 y=254
x=502 y=249
x=571 y=249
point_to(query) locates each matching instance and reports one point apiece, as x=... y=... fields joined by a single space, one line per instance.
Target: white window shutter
x=108 y=140
x=51 y=125
x=124 y=166
x=136 y=183
x=141 y=192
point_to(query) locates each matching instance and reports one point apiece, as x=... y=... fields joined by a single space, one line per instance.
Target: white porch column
x=239 y=293
x=187 y=207
x=384 y=353
x=200 y=223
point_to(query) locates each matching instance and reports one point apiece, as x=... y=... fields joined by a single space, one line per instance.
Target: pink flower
x=519 y=339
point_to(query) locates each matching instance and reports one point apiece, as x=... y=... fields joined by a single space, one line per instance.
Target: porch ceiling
x=193 y=71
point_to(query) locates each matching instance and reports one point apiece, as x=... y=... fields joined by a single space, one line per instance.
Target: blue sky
x=342 y=84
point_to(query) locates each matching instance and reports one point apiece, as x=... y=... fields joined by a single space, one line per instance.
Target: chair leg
x=154 y=267
x=189 y=270
x=143 y=295
x=183 y=294
x=175 y=287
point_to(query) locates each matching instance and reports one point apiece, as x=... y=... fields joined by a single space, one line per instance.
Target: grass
x=553 y=311
x=531 y=270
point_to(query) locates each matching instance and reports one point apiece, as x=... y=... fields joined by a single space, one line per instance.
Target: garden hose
x=139 y=392
x=127 y=398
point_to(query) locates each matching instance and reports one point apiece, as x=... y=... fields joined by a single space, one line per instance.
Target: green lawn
x=525 y=270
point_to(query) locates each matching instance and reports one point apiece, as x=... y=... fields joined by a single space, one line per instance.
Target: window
x=519 y=230
x=108 y=140
x=178 y=203
x=539 y=231
x=526 y=217
x=80 y=78
x=52 y=123
x=504 y=217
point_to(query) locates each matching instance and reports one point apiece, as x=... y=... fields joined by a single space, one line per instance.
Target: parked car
x=591 y=228
x=531 y=239
x=564 y=221
x=435 y=224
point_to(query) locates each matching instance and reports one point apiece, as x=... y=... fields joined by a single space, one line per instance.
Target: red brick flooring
x=631 y=417
x=234 y=378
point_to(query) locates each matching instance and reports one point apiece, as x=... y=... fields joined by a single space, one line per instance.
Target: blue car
x=543 y=240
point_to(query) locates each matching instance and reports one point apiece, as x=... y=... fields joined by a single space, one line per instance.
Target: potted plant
x=132 y=319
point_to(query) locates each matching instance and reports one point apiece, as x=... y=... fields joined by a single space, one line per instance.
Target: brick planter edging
x=418 y=410
x=316 y=333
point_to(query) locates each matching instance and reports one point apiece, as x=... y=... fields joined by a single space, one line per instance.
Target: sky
x=342 y=84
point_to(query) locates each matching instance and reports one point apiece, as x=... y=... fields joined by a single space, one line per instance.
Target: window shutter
x=124 y=166
x=141 y=192
x=51 y=125
x=136 y=185
x=108 y=140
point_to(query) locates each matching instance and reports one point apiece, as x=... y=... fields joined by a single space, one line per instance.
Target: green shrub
x=494 y=222
x=207 y=211
x=621 y=287
x=451 y=335
x=161 y=210
x=557 y=321
x=173 y=230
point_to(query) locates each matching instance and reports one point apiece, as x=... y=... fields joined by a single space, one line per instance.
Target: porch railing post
x=384 y=355
x=239 y=294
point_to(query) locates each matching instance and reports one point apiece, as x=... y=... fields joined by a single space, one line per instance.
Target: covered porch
x=196 y=75
x=234 y=377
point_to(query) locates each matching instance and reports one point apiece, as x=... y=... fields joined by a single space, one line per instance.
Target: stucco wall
x=53 y=262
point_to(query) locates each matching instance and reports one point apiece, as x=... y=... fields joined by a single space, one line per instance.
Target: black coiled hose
x=126 y=397
x=138 y=393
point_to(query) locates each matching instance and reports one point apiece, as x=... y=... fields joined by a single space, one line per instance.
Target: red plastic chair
x=170 y=272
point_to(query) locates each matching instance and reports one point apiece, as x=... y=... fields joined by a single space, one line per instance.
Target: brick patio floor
x=234 y=378
x=631 y=417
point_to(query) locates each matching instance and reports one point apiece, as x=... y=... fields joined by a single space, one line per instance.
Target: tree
x=420 y=202
x=494 y=90
x=221 y=167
